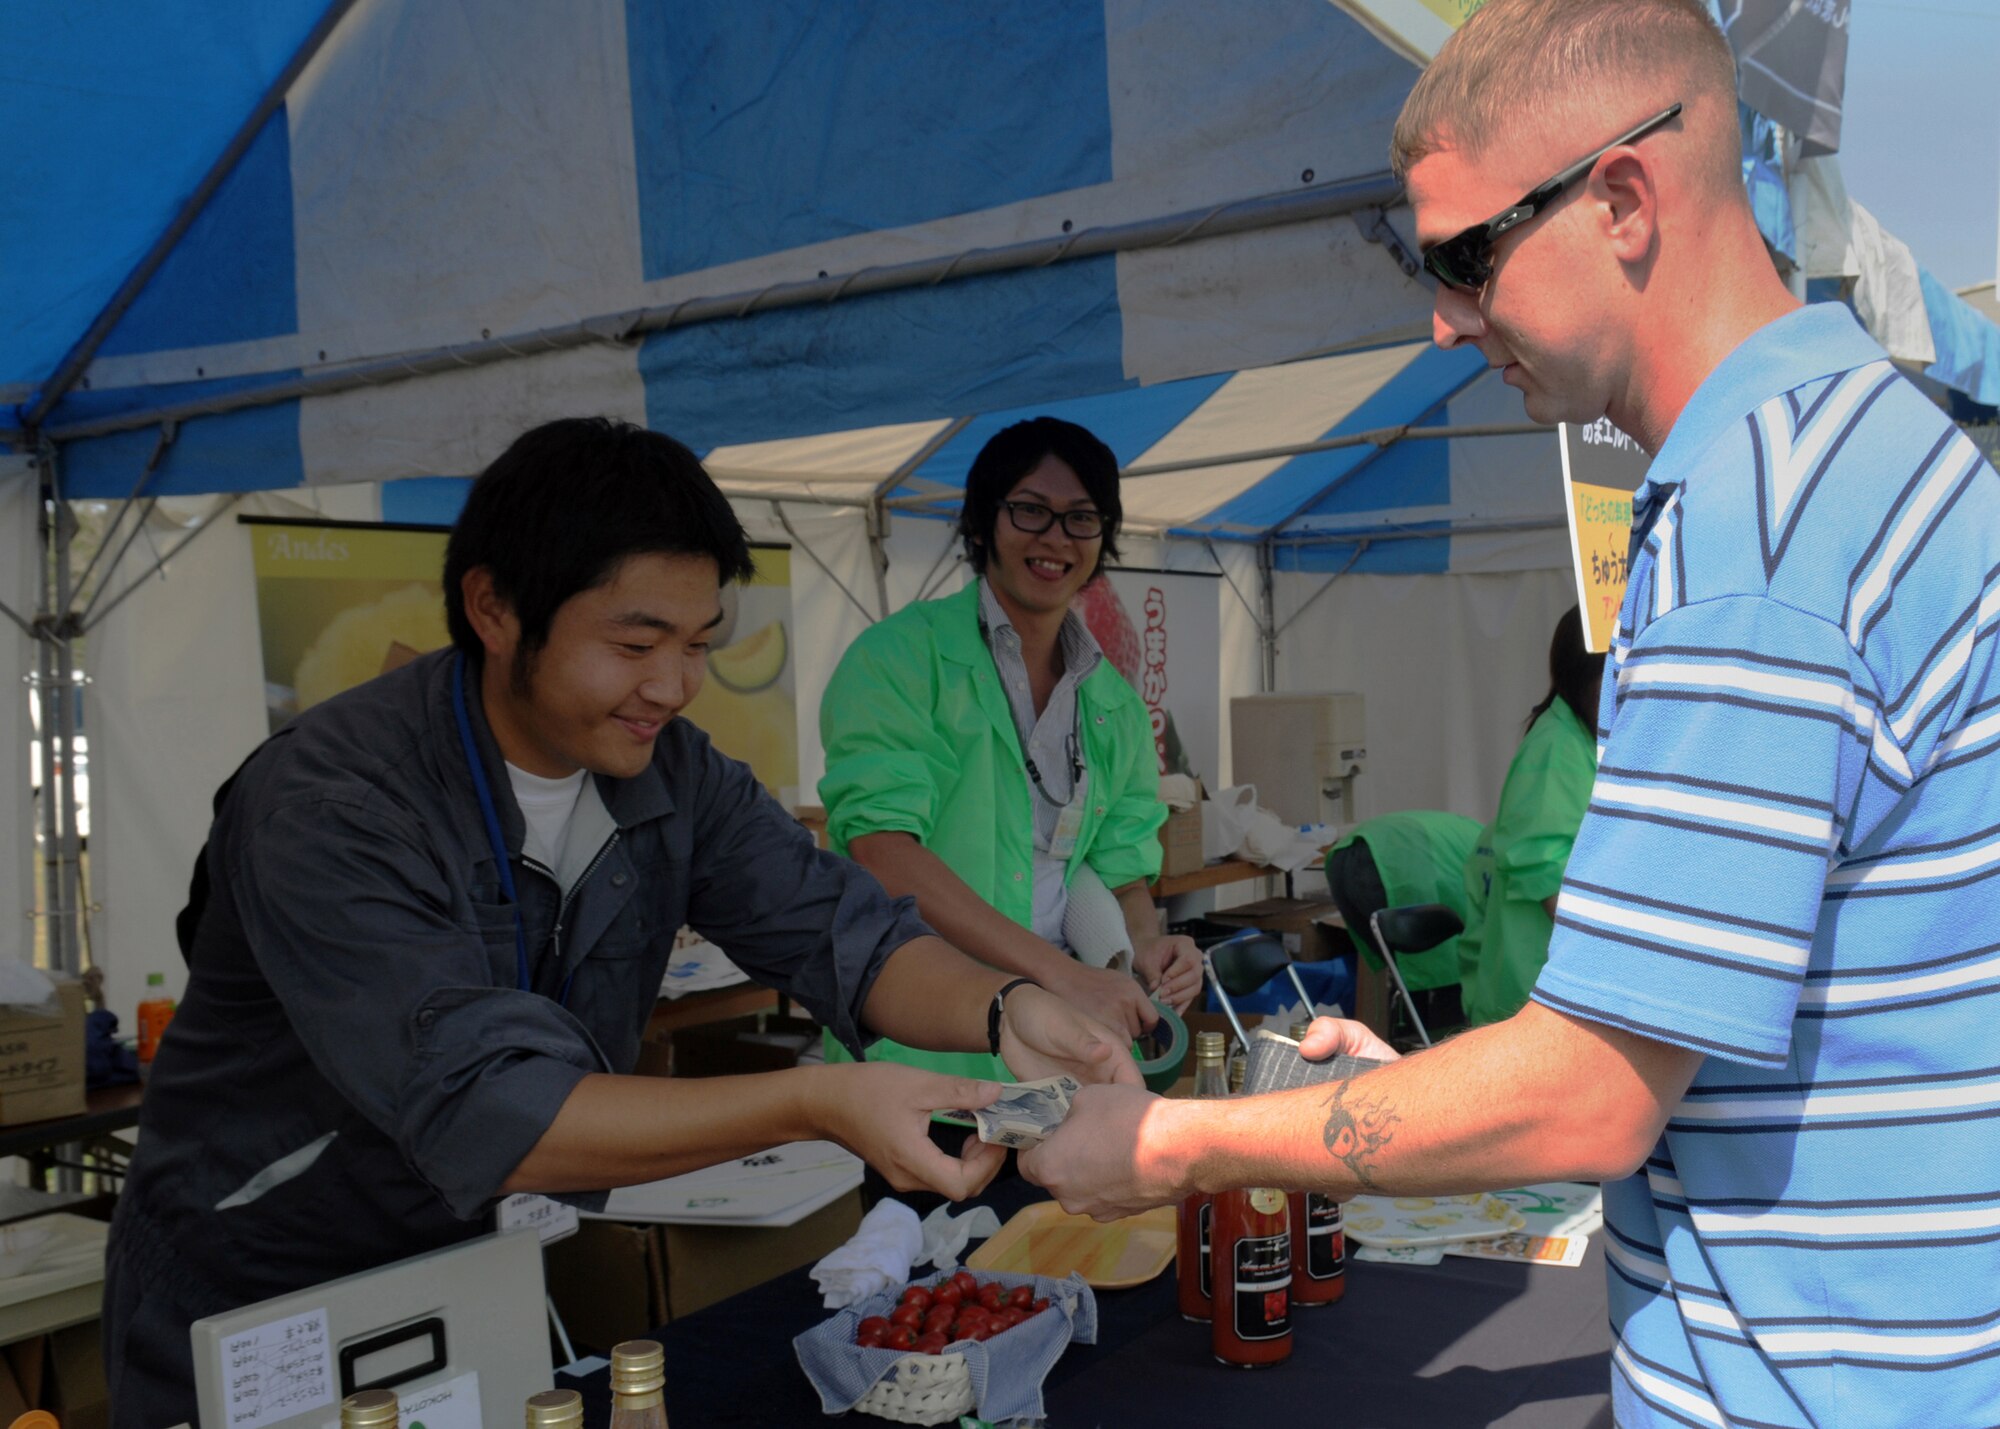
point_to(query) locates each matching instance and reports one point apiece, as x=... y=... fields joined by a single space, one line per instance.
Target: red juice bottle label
x=1326 y=1238
x=1262 y=1300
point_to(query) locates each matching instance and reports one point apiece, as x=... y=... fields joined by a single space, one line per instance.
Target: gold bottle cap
x=370 y=1409
x=1210 y=1046
x=638 y=1367
x=555 y=1409
x=1300 y=1028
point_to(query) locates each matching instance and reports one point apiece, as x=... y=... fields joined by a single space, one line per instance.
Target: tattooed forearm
x=1358 y=1126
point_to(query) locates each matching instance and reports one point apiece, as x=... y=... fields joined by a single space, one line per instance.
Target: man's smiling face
x=1042 y=571
x=623 y=658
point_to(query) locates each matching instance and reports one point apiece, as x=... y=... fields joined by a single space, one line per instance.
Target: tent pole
x=78 y=358
x=778 y=510
x=207 y=524
x=878 y=510
x=67 y=691
x=1321 y=201
x=53 y=693
x=1267 y=627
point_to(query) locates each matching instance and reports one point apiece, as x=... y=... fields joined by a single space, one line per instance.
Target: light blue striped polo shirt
x=1792 y=863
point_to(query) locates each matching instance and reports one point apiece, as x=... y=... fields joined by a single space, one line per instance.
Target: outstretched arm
x=1540 y=1097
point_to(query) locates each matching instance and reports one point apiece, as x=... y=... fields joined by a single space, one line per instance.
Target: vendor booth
x=319 y=261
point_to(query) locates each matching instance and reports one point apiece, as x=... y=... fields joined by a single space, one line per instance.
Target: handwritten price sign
x=1602 y=469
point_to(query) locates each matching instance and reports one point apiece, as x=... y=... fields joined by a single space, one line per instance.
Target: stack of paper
x=778 y=1187
x=1556 y=1220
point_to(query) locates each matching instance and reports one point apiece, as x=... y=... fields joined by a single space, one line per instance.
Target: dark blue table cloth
x=1465 y=1343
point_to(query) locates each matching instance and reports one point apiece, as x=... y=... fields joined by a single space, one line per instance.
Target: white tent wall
x=19 y=566
x=175 y=702
x=1449 y=666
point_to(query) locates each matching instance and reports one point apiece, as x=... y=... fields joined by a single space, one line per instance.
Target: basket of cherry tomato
x=907 y=1354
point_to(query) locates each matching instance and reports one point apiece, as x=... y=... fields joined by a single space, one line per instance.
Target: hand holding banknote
x=1026 y=1112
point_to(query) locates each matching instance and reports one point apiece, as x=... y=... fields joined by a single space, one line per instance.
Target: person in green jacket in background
x=983 y=756
x=1398 y=860
x=1516 y=869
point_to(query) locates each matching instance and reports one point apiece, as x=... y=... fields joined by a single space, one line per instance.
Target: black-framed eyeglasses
x=1465 y=260
x=1034 y=518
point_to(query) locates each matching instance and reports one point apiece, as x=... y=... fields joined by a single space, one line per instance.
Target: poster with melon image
x=748 y=705
x=340 y=603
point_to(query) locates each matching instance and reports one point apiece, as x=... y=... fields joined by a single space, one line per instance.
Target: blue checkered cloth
x=1007 y=1371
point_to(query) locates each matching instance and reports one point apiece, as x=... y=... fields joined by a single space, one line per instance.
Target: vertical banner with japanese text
x=1163 y=632
x=1602 y=469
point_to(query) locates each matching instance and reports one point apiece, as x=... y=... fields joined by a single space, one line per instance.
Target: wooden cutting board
x=1042 y=1239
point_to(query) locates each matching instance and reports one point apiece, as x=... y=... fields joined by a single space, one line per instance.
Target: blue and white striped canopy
x=706 y=217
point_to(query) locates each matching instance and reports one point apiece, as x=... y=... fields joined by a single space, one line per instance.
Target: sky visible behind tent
x=1920 y=138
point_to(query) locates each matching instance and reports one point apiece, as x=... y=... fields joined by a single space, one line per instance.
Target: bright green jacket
x=1519 y=862
x=1420 y=855
x=919 y=739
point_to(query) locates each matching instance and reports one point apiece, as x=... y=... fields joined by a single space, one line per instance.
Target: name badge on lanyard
x=1069 y=823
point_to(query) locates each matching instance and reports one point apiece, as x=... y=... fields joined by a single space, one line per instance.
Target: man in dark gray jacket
x=434 y=912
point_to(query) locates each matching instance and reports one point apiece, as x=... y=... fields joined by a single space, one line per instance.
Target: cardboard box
x=62 y=1372
x=612 y=1281
x=764 y=1042
x=608 y=1282
x=1180 y=840
x=1311 y=927
x=41 y=1059
x=710 y=1263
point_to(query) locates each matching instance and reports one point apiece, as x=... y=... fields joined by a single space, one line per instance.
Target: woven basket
x=922 y=1389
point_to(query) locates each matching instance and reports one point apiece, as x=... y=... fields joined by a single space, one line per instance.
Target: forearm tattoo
x=1358 y=1126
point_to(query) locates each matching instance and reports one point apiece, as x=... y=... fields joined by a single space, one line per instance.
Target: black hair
x=560 y=508
x=1574 y=673
x=1015 y=451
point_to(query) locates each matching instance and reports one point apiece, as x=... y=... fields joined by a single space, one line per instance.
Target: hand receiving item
x=1113 y=1156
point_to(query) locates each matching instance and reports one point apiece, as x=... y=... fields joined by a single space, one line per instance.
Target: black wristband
x=999 y=1004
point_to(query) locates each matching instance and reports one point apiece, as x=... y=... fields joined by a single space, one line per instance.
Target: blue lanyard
x=494 y=837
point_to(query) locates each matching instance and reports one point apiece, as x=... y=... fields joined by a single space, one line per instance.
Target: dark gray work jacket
x=354 y=1070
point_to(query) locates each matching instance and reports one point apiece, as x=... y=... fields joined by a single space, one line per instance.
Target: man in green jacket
x=983 y=755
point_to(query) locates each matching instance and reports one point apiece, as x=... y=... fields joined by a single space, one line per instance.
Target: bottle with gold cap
x=1319 y=1237
x=555 y=1409
x=371 y=1409
x=1191 y=1253
x=638 y=1377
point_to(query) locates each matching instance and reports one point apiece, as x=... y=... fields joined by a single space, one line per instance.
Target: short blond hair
x=1548 y=63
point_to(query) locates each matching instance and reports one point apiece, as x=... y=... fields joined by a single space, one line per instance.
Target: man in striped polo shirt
x=1764 y=1021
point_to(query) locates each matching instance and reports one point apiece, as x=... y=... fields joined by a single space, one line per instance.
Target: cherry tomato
x=931 y=1344
x=965 y=1283
x=877 y=1325
x=1021 y=1297
x=991 y=1295
x=918 y=1296
x=940 y=1318
x=869 y=1339
x=981 y=1330
x=1038 y=1306
x=906 y=1315
x=1007 y=1319
x=949 y=1293
x=900 y=1337
x=973 y=1315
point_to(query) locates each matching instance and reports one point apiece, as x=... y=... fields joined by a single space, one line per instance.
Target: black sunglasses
x=1032 y=518
x=1464 y=260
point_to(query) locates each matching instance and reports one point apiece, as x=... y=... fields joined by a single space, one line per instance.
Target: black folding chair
x=1416 y=929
